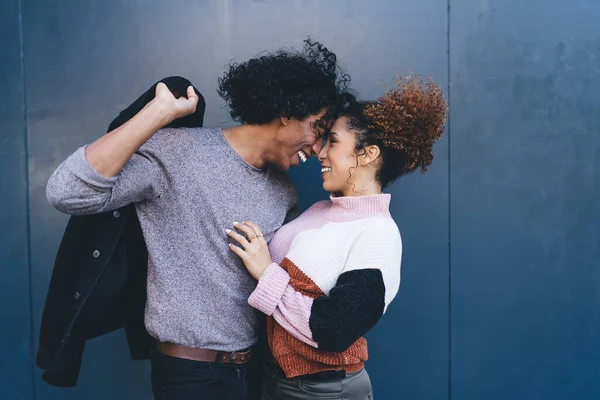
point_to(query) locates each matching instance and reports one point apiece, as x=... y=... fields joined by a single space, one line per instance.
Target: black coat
x=98 y=283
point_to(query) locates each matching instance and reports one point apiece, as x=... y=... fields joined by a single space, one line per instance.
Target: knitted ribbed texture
x=337 y=267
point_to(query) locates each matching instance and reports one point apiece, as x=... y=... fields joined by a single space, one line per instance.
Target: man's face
x=298 y=140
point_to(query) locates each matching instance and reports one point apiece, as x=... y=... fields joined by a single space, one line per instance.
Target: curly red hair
x=410 y=118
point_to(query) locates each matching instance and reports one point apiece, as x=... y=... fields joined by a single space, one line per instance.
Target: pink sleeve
x=276 y=297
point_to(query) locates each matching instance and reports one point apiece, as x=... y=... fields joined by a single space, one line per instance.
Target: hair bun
x=410 y=118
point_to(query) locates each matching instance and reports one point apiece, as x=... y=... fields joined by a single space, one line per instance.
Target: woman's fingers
x=237 y=237
x=238 y=251
x=246 y=229
x=255 y=228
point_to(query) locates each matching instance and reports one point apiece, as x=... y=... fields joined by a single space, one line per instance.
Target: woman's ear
x=370 y=155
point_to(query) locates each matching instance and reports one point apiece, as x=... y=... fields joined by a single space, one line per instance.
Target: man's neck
x=252 y=142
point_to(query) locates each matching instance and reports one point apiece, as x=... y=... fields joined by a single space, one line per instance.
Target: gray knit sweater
x=188 y=186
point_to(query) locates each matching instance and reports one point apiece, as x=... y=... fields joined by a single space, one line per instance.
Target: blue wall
x=500 y=294
x=525 y=199
x=15 y=306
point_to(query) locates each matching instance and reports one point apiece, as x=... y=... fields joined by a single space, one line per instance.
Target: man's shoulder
x=181 y=138
x=173 y=134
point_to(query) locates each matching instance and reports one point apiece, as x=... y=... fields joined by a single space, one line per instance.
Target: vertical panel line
x=27 y=196
x=449 y=88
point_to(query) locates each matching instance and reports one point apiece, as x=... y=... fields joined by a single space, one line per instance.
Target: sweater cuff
x=269 y=290
x=83 y=170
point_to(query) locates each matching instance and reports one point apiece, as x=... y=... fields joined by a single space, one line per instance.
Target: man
x=188 y=186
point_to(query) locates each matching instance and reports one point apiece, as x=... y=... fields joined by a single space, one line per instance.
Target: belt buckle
x=245 y=355
x=232 y=357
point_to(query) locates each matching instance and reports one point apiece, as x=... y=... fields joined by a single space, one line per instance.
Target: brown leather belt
x=205 y=355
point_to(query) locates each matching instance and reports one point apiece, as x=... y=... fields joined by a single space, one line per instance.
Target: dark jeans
x=178 y=379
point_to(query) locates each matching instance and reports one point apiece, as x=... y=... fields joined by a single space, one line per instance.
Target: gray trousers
x=355 y=386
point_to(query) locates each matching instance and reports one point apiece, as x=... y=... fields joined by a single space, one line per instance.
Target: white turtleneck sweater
x=336 y=269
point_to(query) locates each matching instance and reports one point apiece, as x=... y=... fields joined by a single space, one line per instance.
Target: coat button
x=96 y=254
x=76 y=295
x=116 y=214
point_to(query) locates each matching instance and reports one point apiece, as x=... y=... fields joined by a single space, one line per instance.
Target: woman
x=327 y=277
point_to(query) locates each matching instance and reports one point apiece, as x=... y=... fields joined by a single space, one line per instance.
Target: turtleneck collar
x=357 y=207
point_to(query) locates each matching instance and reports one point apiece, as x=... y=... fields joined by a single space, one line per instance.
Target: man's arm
x=109 y=154
x=112 y=172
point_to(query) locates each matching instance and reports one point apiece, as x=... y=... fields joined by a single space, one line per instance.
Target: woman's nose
x=322 y=153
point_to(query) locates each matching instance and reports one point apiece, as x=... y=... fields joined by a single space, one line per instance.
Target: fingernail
x=227 y=230
x=235 y=223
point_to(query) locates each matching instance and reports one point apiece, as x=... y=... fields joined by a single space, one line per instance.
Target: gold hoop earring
x=354 y=188
x=372 y=182
x=360 y=190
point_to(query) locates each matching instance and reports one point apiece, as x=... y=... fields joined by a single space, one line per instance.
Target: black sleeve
x=352 y=308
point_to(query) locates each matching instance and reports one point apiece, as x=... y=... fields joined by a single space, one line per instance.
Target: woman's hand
x=254 y=251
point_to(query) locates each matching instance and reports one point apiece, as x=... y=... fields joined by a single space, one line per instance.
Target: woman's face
x=339 y=160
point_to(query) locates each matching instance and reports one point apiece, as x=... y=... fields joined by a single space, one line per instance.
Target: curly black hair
x=404 y=123
x=287 y=84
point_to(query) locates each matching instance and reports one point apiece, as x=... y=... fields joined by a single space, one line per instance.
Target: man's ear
x=285 y=120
